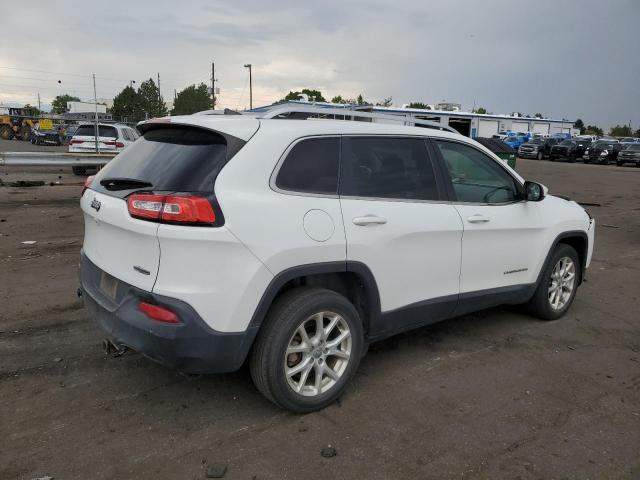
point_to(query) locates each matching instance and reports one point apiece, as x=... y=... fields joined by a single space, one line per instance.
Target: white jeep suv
x=292 y=244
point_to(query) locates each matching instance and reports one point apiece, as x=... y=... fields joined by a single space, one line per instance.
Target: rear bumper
x=191 y=346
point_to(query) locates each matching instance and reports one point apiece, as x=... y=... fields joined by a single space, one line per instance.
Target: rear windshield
x=90 y=131
x=177 y=159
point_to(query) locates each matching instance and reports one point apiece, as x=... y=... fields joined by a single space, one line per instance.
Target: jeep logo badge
x=95 y=203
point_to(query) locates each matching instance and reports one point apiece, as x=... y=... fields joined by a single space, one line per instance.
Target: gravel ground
x=496 y=394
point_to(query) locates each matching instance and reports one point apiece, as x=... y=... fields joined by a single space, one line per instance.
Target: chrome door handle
x=478 y=219
x=369 y=220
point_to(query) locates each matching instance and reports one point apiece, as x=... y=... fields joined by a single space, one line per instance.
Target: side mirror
x=534 y=192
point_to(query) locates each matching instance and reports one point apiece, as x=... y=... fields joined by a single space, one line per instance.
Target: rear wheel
x=307 y=350
x=558 y=285
x=25 y=133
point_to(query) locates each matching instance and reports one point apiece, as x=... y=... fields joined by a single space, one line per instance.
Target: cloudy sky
x=562 y=58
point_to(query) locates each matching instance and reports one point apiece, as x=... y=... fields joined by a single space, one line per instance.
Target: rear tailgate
x=122 y=246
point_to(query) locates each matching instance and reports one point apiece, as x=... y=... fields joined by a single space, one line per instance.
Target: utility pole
x=38 y=103
x=213 y=86
x=159 y=96
x=248 y=65
x=95 y=104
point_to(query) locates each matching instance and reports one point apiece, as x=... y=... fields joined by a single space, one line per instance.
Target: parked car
x=537 y=148
x=629 y=154
x=603 y=151
x=296 y=243
x=69 y=132
x=514 y=141
x=112 y=138
x=567 y=149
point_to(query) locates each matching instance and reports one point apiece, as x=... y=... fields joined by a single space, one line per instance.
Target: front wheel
x=308 y=349
x=540 y=155
x=558 y=285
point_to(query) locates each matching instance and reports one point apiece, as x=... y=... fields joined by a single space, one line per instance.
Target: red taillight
x=146 y=206
x=157 y=313
x=113 y=143
x=87 y=183
x=171 y=208
x=74 y=142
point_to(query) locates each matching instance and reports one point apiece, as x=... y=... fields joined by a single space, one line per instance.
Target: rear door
x=165 y=160
x=398 y=225
x=502 y=233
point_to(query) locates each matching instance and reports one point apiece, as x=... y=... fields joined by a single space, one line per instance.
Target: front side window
x=311 y=167
x=476 y=177
x=387 y=167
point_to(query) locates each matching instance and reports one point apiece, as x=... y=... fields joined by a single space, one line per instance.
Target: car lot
x=491 y=395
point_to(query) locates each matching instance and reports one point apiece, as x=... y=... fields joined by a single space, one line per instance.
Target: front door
x=502 y=233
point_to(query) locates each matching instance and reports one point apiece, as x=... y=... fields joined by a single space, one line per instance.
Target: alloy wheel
x=318 y=354
x=562 y=283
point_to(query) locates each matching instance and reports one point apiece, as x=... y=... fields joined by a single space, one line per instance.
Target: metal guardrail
x=44 y=159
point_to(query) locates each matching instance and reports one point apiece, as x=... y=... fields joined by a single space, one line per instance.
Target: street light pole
x=95 y=103
x=248 y=65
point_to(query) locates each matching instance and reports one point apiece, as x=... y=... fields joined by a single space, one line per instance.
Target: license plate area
x=108 y=286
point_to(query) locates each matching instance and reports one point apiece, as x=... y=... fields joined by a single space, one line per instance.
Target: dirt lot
x=491 y=395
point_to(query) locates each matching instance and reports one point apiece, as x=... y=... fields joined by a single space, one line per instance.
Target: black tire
x=287 y=313
x=6 y=133
x=540 y=305
x=79 y=170
x=25 y=133
x=618 y=163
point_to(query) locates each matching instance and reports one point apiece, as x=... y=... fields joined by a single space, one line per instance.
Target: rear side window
x=311 y=167
x=387 y=167
x=179 y=159
x=90 y=131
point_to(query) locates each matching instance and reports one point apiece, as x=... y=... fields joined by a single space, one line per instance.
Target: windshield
x=537 y=141
x=90 y=130
x=567 y=143
x=635 y=147
x=181 y=159
x=603 y=145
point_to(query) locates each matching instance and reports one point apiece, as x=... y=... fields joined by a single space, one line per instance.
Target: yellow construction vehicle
x=17 y=122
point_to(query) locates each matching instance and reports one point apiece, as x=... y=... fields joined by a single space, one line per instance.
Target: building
x=86 y=111
x=467 y=123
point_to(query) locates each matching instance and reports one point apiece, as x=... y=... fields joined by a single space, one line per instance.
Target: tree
x=387 y=102
x=59 y=104
x=126 y=105
x=420 y=105
x=312 y=95
x=191 y=100
x=338 y=99
x=538 y=115
x=361 y=101
x=151 y=101
x=621 y=131
x=637 y=134
x=480 y=110
x=579 y=124
x=33 y=109
x=593 y=130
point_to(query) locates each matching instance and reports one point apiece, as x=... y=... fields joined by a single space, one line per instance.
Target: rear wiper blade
x=123 y=183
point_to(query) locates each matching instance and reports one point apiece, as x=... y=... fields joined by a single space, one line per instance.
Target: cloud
x=564 y=59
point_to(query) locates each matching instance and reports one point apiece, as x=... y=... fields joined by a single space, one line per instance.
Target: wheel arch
x=577 y=239
x=354 y=280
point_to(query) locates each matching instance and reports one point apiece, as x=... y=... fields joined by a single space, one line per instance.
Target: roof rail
x=306 y=111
